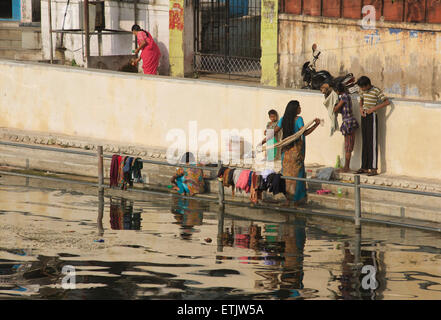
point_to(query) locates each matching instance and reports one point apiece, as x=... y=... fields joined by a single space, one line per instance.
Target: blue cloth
x=181 y=185
x=128 y=164
x=249 y=178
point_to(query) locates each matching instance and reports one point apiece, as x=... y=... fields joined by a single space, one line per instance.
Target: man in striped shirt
x=372 y=99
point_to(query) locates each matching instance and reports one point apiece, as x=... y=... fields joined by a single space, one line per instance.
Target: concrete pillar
x=181 y=42
x=269 y=43
x=176 y=41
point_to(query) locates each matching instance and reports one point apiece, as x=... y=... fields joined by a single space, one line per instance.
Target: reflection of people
x=150 y=51
x=294 y=237
x=188 y=180
x=188 y=213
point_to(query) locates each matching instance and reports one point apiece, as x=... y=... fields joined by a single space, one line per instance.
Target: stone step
x=380 y=195
x=368 y=206
x=21 y=54
x=12 y=44
x=10 y=34
x=9 y=24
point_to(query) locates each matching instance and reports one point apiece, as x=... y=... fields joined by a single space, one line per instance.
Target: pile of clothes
x=124 y=171
x=252 y=182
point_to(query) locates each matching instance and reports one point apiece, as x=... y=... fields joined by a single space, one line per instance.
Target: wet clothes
x=114 y=171
x=136 y=170
x=230 y=177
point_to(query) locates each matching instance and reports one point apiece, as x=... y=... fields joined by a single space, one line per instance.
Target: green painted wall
x=269 y=37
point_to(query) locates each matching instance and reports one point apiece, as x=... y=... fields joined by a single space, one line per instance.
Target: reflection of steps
x=20 y=42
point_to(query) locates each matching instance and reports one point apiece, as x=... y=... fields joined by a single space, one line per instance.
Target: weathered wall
x=403 y=61
x=139 y=109
x=118 y=16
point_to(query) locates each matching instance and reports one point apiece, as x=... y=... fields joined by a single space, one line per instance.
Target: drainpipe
x=135 y=8
x=49 y=3
x=86 y=30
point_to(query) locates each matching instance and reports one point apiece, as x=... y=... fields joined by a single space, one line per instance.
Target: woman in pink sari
x=150 y=51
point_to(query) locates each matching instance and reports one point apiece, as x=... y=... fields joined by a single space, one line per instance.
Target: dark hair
x=274 y=112
x=340 y=87
x=363 y=81
x=289 y=116
x=187 y=157
x=136 y=27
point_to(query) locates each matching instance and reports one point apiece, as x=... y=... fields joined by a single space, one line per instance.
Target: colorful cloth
x=242 y=182
x=256 y=194
x=293 y=165
x=190 y=180
x=114 y=171
x=121 y=170
x=349 y=124
x=150 y=54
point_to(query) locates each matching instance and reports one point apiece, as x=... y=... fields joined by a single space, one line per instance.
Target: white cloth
x=330 y=103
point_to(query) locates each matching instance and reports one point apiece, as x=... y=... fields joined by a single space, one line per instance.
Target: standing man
x=372 y=99
x=150 y=51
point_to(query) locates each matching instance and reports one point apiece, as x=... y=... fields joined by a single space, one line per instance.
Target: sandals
x=372 y=173
x=360 y=171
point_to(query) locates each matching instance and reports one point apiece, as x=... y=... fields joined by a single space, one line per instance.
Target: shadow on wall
x=164 y=62
x=383 y=115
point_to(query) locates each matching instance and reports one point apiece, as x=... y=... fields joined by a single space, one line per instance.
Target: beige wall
x=139 y=109
x=402 y=60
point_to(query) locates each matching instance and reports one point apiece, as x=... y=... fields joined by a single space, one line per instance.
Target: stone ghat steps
x=374 y=201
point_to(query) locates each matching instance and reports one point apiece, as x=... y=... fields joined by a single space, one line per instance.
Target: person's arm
x=385 y=103
x=362 y=113
x=276 y=130
x=338 y=106
x=310 y=130
x=142 y=46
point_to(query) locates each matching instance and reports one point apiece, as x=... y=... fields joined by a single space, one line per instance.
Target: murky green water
x=170 y=248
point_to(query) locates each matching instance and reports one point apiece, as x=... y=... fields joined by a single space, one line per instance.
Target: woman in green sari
x=293 y=155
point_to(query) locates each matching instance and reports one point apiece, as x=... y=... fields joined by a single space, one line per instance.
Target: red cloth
x=242 y=183
x=114 y=166
x=150 y=54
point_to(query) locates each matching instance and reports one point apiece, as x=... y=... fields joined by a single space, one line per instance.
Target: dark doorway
x=227 y=37
x=36 y=10
x=5 y=9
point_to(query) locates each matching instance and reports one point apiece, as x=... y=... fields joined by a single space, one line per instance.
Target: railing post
x=100 y=167
x=357 y=200
x=221 y=191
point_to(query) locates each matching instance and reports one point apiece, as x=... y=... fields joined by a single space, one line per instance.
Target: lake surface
x=66 y=244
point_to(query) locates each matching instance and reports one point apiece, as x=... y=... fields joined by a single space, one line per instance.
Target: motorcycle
x=314 y=79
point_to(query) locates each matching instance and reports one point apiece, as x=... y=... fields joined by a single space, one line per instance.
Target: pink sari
x=150 y=54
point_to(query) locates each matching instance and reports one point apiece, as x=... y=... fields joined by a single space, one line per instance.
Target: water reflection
x=293 y=258
x=122 y=216
x=188 y=213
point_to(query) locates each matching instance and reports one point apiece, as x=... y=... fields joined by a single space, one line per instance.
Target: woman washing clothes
x=150 y=51
x=188 y=181
x=293 y=155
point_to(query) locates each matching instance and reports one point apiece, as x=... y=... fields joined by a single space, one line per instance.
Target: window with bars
x=422 y=11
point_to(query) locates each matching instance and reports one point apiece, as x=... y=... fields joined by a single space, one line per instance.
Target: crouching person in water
x=188 y=181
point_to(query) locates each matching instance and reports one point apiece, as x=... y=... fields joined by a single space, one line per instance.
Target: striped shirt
x=372 y=97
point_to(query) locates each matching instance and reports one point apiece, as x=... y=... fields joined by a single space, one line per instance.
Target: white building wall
x=118 y=16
